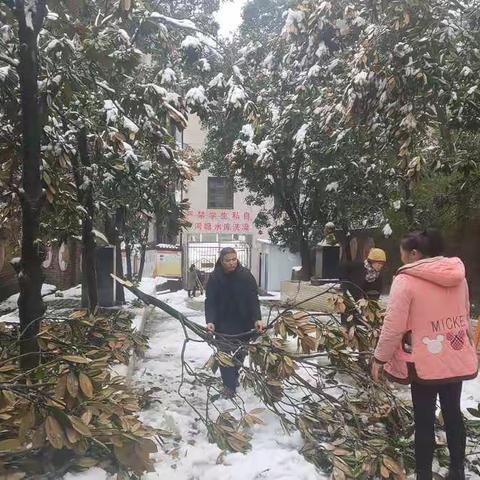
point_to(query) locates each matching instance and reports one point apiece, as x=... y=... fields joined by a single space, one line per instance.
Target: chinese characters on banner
x=220 y=221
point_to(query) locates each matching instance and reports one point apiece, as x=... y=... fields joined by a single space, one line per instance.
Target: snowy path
x=189 y=456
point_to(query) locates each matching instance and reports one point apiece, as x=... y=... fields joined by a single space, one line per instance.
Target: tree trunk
x=306 y=255
x=119 y=229
x=128 y=253
x=113 y=227
x=141 y=267
x=120 y=293
x=85 y=198
x=143 y=253
x=409 y=208
x=31 y=308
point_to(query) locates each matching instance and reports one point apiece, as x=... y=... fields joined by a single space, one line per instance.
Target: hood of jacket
x=443 y=271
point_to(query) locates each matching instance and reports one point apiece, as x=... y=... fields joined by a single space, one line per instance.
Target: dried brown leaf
x=79 y=426
x=76 y=359
x=87 y=417
x=55 y=433
x=85 y=385
x=72 y=384
x=61 y=387
x=10 y=444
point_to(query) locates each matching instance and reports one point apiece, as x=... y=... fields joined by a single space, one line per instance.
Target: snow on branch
x=180 y=23
x=8 y=60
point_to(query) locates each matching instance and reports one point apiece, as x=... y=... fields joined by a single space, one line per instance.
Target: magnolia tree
x=335 y=110
x=268 y=119
x=99 y=131
x=409 y=84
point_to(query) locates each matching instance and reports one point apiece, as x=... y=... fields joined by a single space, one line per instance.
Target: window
x=220 y=192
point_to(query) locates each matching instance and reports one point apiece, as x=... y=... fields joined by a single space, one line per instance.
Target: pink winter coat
x=428 y=301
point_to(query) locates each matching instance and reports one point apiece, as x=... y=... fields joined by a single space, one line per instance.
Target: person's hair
x=428 y=242
x=223 y=253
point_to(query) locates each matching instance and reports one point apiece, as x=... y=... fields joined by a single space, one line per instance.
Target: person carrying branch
x=232 y=307
x=426 y=342
x=362 y=280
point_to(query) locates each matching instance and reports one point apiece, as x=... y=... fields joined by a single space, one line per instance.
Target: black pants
x=230 y=375
x=424 y=399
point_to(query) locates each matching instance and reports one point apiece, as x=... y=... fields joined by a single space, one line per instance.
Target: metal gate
x=205 y=255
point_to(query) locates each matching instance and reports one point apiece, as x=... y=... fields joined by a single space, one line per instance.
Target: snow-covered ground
x=11 y=302
x=189 y=455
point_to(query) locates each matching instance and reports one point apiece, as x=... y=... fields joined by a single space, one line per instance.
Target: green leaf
x=474 y=412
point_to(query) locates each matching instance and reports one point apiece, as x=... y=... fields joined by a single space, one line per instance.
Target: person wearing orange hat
x=364 y=279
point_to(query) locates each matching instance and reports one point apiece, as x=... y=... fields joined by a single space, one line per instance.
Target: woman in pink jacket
x=426 y=342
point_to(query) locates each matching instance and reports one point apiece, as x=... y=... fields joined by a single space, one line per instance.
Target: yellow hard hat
x=377 y=255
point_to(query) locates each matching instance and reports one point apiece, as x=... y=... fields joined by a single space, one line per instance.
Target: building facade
x=219 y=216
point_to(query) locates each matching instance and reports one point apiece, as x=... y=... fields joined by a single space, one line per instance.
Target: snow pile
x=168 y=76
x=217 y=82
x=91 y=474
x=237 y=73
x=191 y=43
x=196 y=97
x=387 y=230
x=236 y=96
x=181 y=23
x=322 y=50
x=332 y=187
x=160 y=91
x=248 y=131
x=124 y=35
x=10 y=303
x=111 y=110
x=130 y=125
x=4 y=73
x=173 y=98
x=204 y=65
x=251 y=149
x=268 y=62
x=301 y=134
x=294 y=23
x=314 y=71
x=264 y=150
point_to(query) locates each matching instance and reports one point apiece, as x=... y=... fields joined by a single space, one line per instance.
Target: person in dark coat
x=364 y=279
x=232 y=307
x=193 y=282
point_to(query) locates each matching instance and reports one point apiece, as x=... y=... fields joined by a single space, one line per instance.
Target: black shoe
x=228 y=393
x=456 y=474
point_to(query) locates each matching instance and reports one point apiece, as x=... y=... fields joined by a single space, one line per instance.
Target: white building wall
x=277 y=264
x=196 y=191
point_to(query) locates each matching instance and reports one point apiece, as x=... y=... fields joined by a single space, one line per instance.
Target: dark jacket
x=231 y=302
x=354 y=275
